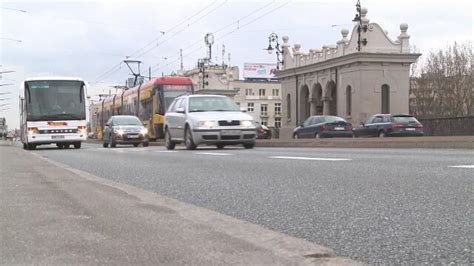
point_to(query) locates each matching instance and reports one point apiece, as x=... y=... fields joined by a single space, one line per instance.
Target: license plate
x=338 y=128
x=132 y=136
x=230 y=132
x=57 y=137
x=410 y=129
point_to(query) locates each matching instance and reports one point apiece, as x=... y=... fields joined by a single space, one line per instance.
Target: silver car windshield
x=211 y=104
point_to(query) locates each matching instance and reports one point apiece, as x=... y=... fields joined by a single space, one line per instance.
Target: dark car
x=125 y=129
x=384 y=125
x=263 y=132
x=323 y=126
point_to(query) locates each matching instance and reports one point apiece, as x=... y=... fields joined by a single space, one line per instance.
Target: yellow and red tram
x=148 y=101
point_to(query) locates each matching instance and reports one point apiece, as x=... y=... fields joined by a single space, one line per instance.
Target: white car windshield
x=211 y=104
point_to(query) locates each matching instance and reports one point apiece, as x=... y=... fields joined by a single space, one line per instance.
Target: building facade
x=261 y=99
x=356 y=78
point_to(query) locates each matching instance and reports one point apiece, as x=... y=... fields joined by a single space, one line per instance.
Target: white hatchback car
x=208 y=119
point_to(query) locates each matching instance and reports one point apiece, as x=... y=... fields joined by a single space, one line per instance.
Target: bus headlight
x=144 y=131
x=32 y=131
x=82 y=130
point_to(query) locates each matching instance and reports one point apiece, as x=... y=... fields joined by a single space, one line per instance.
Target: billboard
x=259 y=71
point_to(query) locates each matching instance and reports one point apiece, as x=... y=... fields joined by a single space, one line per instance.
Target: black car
x=263 y=132
x=125 y=129
x=323 y=126
x=384 y=125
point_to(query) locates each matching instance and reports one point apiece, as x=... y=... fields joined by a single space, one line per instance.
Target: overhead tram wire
x=113 y=70
x=230 y=32
x=230 y=24
x=174 y=27
x=178 y=32
x=221 y=29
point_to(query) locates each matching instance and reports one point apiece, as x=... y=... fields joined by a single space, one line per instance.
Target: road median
x=427 y=142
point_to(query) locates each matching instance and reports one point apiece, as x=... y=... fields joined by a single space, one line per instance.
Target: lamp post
x=274 y=45
x=360 y=27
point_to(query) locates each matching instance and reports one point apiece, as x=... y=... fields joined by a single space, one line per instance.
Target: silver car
x=208 y=119
x=125 y=129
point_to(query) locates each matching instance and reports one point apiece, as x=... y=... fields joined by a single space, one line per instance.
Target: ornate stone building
x=344 y=79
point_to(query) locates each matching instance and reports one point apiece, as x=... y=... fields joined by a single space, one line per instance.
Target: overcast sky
x=89 y=39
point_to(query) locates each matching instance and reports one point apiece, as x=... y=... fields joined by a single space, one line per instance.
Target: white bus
x=53 y=111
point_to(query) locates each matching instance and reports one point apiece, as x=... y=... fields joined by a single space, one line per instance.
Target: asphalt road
x=377 y=206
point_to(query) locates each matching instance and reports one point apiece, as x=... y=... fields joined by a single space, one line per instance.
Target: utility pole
x=181 y=58
x=223 y=55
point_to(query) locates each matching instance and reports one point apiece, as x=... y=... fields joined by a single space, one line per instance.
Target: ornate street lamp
x=273 y=45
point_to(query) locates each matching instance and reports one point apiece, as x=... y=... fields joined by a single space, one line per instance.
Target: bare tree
x=443 y=85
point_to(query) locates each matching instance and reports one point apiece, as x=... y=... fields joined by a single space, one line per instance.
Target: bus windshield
x=173 y=91
x=55 y=100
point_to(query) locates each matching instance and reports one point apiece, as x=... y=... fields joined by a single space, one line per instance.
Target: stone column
x=313 y=107
x=326 y=102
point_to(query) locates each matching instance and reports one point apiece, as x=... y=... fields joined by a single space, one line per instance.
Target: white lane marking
x=214 y=153
x=166 y=151
x=309 y=158
x=461 y=166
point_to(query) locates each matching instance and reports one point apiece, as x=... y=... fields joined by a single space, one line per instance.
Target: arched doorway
x=331 y=96
x=304 y=103
x=385 y=101
x=317 y=96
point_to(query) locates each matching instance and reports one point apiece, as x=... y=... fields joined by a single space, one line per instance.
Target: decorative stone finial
x=363 y=14
x=404 y=27
x=344 y=33
x=297 y=47
x=285 y=39
x=363 y=11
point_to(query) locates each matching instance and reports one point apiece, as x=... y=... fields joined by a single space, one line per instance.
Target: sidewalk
x=52 y=214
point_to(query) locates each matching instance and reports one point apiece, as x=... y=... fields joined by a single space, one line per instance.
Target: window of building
x=264 y=121
x=248 y=92
x=385 y=99
x=261 y=92
x=277 y=122
x=276 y=92
x=264 y=109
x=288 y=106
x=249 y=107
x=277 y=108
x=348 y=101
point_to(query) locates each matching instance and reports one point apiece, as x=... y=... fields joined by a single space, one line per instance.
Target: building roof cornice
x=348 y=59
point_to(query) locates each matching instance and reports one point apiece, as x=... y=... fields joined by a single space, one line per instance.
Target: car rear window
x=330 y=119
x=404 y=119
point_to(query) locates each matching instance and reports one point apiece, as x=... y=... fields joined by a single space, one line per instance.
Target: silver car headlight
x=246 y=123
x=207 y=124
x=119 y=131
x=144 y=131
